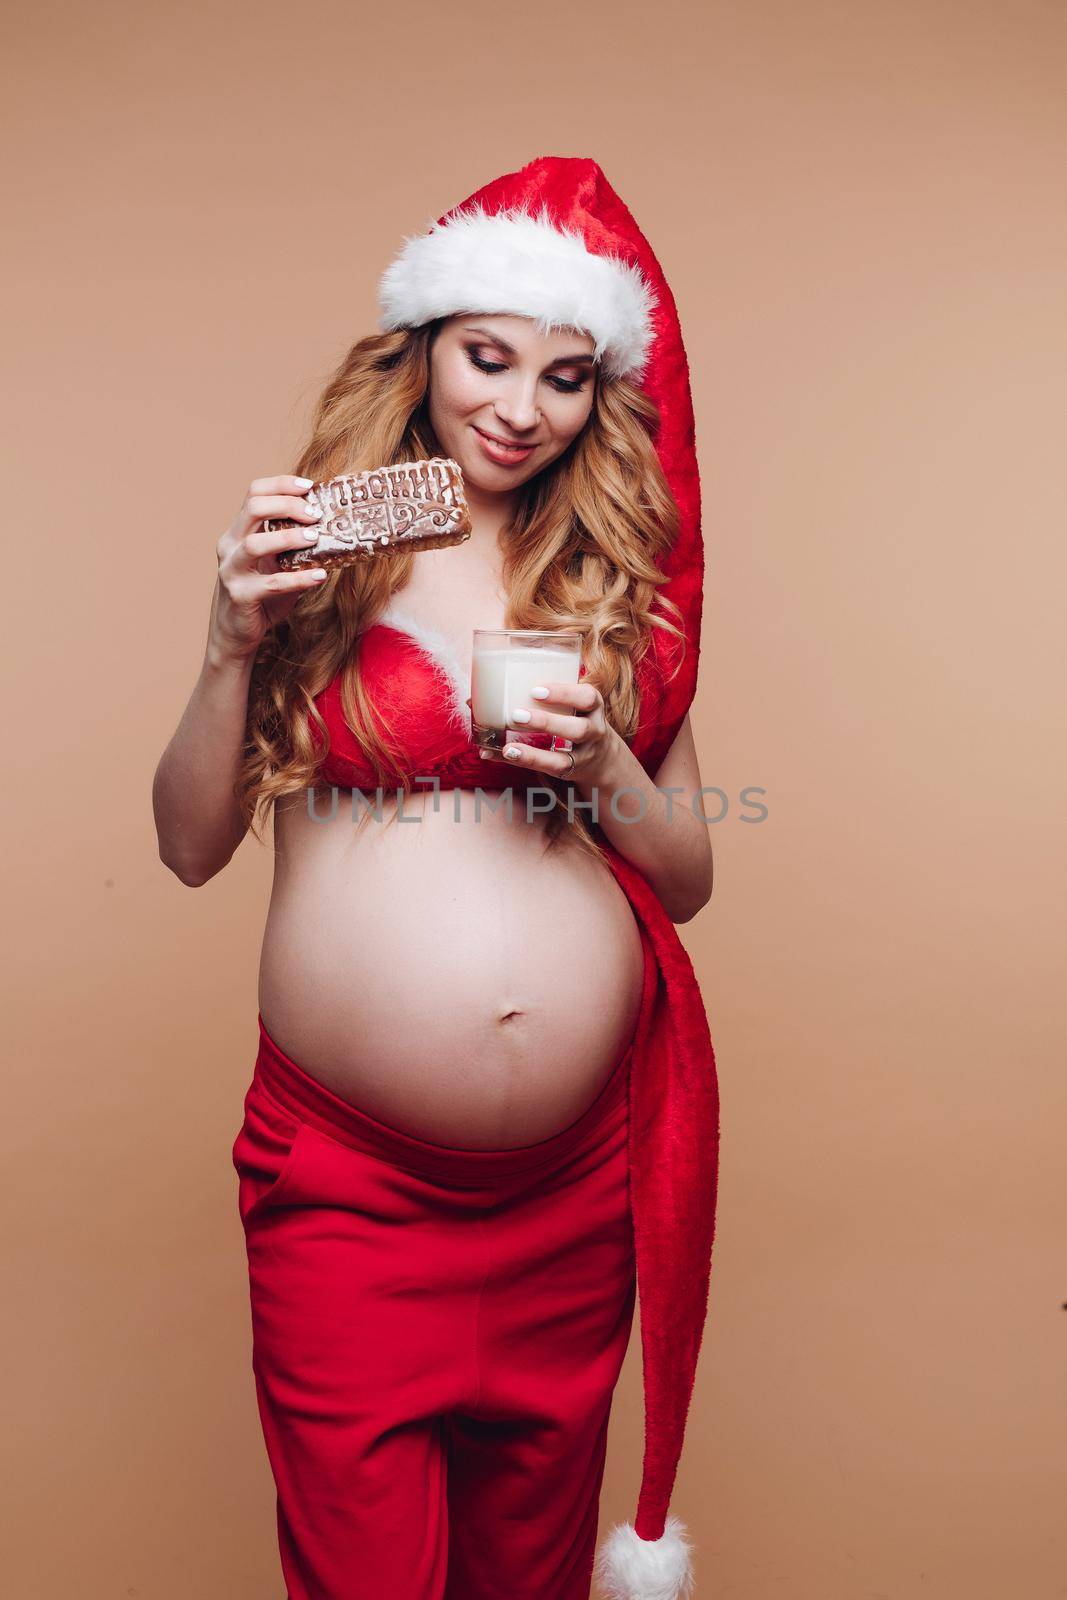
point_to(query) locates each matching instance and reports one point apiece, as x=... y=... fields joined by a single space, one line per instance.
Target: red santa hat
x=555 y=243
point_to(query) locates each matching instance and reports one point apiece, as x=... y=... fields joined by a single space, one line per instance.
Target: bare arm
x=666 y=839
x=661 y=829
x=198 y=821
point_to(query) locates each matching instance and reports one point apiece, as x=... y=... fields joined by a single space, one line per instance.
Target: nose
x=516 y=405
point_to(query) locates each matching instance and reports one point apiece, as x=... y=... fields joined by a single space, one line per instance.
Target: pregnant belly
x=448 y=976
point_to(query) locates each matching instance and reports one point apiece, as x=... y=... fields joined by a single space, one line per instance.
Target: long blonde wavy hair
x=579 y=553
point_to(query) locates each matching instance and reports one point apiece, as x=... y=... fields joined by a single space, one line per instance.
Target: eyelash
x=563 y=385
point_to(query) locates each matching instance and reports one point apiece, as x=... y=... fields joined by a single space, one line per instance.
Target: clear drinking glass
x=506 y=663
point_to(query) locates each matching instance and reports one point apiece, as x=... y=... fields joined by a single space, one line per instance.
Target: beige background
x=860 y=209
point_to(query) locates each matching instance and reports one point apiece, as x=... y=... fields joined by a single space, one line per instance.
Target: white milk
x=502 y=678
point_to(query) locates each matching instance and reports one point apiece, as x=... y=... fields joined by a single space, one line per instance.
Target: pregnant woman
x=484 y=1109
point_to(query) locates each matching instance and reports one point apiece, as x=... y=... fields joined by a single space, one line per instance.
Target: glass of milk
x=506 y=663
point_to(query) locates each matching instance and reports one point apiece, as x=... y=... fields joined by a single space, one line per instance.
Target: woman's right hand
x=251 y=592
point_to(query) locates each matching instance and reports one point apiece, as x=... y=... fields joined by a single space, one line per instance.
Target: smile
x=504 y=453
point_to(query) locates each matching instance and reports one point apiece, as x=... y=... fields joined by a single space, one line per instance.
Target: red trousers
x=436 y=1337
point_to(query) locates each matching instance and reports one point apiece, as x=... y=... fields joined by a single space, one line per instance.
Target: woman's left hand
x=579 y=718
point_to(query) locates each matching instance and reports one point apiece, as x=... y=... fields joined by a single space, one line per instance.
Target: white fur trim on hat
x=631 y=1568
x=516 y=262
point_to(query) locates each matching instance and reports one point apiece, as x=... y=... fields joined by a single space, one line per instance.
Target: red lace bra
x=415 y=678
x=417 y=682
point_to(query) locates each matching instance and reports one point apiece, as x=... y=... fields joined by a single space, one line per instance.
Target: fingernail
x=311 y=533
x=305 y=483
x=520 y=715
x=511 y=751
x=540 y=693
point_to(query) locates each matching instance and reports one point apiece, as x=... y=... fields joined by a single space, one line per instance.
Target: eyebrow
x=560 y=361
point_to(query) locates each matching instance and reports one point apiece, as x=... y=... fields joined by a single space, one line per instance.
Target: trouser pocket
x=265 y=1153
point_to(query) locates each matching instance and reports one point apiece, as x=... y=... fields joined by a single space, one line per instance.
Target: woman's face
x=496 y=375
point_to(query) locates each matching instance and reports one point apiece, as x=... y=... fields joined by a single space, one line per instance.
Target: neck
x=490 y=515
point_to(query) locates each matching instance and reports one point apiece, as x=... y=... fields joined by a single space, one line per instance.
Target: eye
x=485 y=366
x=562 y=385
